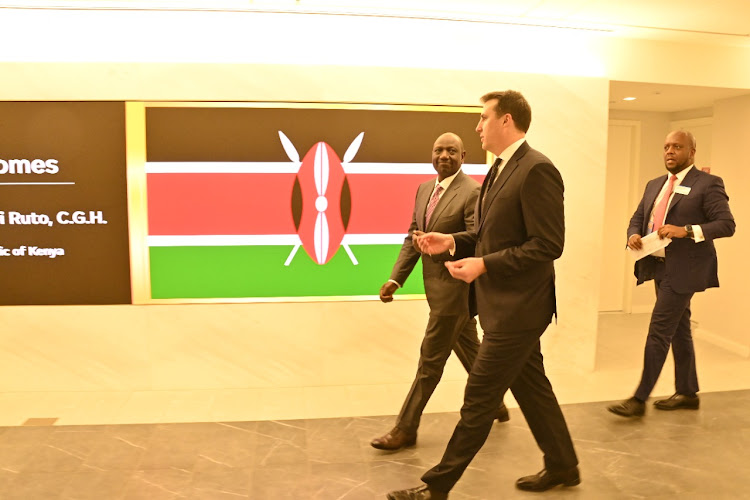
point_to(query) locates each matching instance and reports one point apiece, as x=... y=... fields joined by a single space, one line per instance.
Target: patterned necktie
x=661 y=209
x=434 y=199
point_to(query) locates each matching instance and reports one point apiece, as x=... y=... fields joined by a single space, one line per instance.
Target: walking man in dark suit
x=692 y=208
x=509 y=257
x=444 y=204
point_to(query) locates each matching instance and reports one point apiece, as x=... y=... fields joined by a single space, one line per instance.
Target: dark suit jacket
x=446 y=295
x=519 y=233
x=691 y=267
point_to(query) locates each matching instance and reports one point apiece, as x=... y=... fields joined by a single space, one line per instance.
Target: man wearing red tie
x=692 y=208
x=445 y=203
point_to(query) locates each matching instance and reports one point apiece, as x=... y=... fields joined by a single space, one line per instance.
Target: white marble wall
x=323 y=344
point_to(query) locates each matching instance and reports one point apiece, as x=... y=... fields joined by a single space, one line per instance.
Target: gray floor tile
x=664 y=455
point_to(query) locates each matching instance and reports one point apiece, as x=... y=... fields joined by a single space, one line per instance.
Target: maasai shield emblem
x=321 y=180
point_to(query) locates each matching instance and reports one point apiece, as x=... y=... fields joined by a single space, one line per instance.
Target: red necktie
x=661 y=209
x=434 y=199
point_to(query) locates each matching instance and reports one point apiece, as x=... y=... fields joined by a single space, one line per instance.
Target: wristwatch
x=689 y=230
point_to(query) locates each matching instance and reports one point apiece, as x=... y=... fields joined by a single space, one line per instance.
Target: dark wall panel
x=62 y=175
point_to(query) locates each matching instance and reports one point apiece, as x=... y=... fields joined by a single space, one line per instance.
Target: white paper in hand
x=651 y=243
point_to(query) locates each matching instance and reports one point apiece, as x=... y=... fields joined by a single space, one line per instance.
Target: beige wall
x=623 y=159
x=720 y=312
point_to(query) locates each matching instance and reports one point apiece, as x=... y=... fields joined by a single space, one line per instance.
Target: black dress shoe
x=678 y=402
x=629 y=408
x=502 y=413
x=419 y=493
x=546 y=480
x=394 y=440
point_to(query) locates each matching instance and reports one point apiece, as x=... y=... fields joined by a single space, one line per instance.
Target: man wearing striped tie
x=445 y=204
x=692 y=208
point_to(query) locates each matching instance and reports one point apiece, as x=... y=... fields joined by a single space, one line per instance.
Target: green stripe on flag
x=192 y=272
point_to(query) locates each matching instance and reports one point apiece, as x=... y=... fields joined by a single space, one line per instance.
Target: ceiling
x=721 y=21
x=717 y=21
x=666 y=98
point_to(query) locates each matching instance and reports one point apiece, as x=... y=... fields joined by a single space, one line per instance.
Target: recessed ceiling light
x=628 y=98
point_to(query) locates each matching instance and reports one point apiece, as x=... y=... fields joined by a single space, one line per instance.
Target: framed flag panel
x=63 y=203
x=269 y=201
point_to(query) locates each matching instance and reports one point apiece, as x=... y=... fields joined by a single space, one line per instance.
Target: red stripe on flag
x=383 y=203
x=188 y=204
x=210 y=204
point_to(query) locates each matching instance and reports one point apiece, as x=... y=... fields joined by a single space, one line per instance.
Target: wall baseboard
x=701 y=333
x=720 y=341
x=642 y=309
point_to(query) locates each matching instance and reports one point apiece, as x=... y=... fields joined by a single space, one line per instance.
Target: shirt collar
x=680 y=175
x=445 y=183
x=508 y=152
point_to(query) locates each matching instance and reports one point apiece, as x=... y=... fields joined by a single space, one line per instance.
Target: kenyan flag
x=259 y=202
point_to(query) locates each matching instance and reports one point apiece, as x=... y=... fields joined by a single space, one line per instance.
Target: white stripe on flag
x=373 y=239
x=220 y=167
x=227 y=167
x=220 y=240
x=475 y=168
x=406 y=168
x=223 y=240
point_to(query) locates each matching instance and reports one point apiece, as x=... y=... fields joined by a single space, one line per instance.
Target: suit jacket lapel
x=445 y=200
x=423 y=198
x=688 y=181
x=505 y=174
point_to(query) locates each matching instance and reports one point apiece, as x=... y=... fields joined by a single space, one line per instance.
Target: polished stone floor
x=682 y=454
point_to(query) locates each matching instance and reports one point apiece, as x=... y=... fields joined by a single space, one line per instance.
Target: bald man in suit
x=692 y=208
x=442 y=204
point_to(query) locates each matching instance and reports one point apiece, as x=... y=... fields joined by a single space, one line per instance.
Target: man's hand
x=387 y=290
x=467 y=269
x=634 y=242
x=670 y=231
x=434 y=243
x=414 y=236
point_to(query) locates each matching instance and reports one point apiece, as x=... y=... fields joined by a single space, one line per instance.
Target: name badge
x=682 y=190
